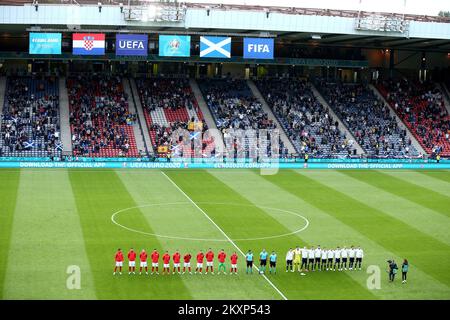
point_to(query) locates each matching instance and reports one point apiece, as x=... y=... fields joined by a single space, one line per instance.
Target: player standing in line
x=210 y=261
x=359 y=257
x=234 y=259
x=311 y=259
x=337 y=259
x=330 y=256
x=304 y=266
x=119 y=261
x=200 y=257
x=273 y=263
x=344 y=254
x=249 y=259
x=351 y=257
x=297 y=258
x=143 y=261
x=289 y=258
x=317 y=256
x=176 y=262
x=221 y=257
x=263 y=261
x=324 y=259
x=155 y=261
x=131 y=261
x=187 y=262
x=166 y=263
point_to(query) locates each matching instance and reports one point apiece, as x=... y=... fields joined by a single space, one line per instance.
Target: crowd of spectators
x=30 y=120
x=422 y=108
x=306 y=121
x=170 y=108
x=234 y=107
x=173 y=93
x=369 y=120
x=100 y=120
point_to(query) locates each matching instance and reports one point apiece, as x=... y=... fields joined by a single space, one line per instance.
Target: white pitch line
x=223 y=232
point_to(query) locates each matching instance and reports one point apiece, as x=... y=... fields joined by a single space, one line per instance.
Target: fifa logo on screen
x=258 y=47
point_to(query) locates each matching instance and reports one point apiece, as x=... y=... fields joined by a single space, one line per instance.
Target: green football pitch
x=53 y=219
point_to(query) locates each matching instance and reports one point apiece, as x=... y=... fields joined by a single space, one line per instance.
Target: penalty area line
x=223 y=232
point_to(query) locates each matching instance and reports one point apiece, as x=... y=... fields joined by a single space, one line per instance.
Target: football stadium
x=224 y=150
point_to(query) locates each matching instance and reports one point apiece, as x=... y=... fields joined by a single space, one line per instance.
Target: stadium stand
x=99 y=117
x=370 y=122
x=30 y=120
x=422 y=109
x=170 y=105
x=234 y=107
x=307 y=122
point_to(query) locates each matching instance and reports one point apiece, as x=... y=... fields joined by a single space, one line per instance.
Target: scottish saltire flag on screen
x=174 y=46
x=215 y=47
x=45 y=43
x=89 y=44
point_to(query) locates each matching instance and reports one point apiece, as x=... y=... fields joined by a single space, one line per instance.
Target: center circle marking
x=115 y=214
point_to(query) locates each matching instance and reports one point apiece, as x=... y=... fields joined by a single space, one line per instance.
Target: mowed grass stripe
x=187 y=221
x=166 y=210
x=9 y=182
x=423 y=251
x=195 y=183
x=314 y=285
x=202 y=187
x=422 y=196
x=46 y=239
x=329 y=232
x=424 y=181
x=432 y=223
x=98 y=195
x=443 y=175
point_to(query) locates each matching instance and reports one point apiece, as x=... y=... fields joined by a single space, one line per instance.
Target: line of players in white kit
x=312 y=259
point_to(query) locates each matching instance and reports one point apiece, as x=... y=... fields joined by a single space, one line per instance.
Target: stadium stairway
x=143 y=134
x=287 y=142
x=359 y=149
x=132 y=107
x=66 y=137
x=2 y=92
x=218 y=137
x=443 y=88
x=400 y=122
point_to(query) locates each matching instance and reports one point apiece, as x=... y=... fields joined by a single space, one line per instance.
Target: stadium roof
x=298 y=38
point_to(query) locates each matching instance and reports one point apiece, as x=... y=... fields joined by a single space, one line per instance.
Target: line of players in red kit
x=176 y=258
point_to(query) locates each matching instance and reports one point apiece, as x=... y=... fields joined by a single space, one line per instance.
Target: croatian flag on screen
x=89 y=44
